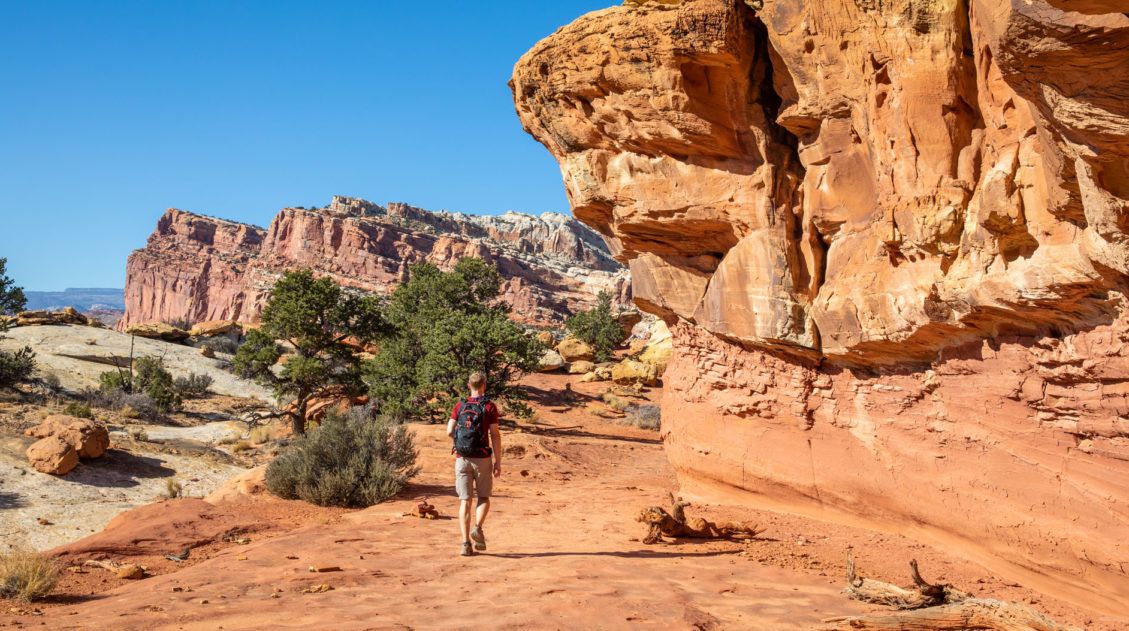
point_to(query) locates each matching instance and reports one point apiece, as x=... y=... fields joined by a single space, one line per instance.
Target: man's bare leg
x=482 y=511
x=464 y=519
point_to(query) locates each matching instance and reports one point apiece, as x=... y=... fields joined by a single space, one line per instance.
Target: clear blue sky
x=113 y=110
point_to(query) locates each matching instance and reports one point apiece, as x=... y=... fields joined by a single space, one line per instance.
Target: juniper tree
x=598 y=327
x=442 y=326
x=316 y=317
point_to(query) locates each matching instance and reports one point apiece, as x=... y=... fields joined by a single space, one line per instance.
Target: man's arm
x=451 y=428
x=496 y=445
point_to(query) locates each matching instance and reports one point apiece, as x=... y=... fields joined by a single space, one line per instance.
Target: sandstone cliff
x=200 y=268
x=891 y=237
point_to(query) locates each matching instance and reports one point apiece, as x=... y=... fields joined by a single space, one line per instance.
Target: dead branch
x=676 y=525
x=925 y=594
x=930 y=607
x=972 y=613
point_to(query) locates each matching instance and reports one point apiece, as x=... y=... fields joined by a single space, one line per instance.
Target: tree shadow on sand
x=627 y=554
x=11 y=500
x=119 y=469
x=576 y=431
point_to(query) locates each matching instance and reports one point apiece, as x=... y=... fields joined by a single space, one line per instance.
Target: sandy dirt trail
x=564 y=552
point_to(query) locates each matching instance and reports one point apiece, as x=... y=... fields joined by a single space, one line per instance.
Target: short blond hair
x=476 y=380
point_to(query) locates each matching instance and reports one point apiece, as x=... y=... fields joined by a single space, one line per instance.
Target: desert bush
x=51 y=383
x=173 y=488
x=242 y=446
x=27 y=575
x=128 y=405
x=16 y=366
x=263 y=434
x=194 y=386
x=598 y=327
x=352 y=460
x=148 y=377
x=221 y=344
x=81 y=410
x=644 y=415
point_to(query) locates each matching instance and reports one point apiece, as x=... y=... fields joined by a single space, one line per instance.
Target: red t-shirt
x=490 y=417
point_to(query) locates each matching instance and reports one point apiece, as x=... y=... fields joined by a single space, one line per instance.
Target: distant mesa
x=196 y=268
x=100 y=303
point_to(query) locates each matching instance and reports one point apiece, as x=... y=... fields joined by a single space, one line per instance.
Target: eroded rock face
x=202 y=269
x=891 y=240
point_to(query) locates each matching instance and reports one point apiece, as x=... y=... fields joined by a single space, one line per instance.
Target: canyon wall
x=199 y=268
x=891 y=239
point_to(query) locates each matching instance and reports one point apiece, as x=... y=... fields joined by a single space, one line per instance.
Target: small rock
x=131 y=572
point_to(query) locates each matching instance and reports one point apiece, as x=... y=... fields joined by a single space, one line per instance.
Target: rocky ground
x=78 y=354
x=564 y=550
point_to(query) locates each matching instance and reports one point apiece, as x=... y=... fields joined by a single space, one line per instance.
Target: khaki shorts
x=473 y=474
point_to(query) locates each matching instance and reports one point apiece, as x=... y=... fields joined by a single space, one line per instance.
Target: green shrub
x=352 y=460
x=149 y=377
x=194 y=386
x=16 y=367
x=598 y=327
x=27 y=575
x=81 y=410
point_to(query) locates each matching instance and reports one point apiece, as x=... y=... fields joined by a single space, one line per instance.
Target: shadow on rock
x=119 y=469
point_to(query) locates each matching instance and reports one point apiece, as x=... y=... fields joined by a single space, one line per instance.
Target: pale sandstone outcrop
x=891 y=240
x=200 y=268
x=157 y=331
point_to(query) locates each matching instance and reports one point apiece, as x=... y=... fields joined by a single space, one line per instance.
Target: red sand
x=564 y=552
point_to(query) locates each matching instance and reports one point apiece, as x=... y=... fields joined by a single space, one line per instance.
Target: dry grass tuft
x=27 y=575
x=264 y=434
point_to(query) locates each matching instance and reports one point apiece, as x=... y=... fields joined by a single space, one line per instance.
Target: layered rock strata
x=890 y=238
x=199 y=268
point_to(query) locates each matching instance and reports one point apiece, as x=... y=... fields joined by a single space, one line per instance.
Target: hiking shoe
x=478 y=538
x=468 y=551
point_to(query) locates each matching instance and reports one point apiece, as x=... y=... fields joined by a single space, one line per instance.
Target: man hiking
x=478 y=458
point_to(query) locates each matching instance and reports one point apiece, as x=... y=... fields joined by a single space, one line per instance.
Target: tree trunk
x=298 y=418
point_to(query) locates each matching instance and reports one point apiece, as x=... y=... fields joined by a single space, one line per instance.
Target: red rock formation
x=893 y=237
x=198 y=268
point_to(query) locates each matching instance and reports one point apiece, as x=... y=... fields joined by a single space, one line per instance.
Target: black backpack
x=470 y=437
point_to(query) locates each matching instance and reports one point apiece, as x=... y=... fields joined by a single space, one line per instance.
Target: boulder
x=88 y=438
x=214 y=328
x=158 y=331
x=546 y=338
x=572 y=349
x=659 y=348
x=636 y=346
x=581 y=367
x=630 y=371
x=52 y=455
x=551 y=360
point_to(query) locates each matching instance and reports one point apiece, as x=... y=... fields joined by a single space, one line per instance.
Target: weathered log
x=675 y=525
x=934 y=607
x=972 y=613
